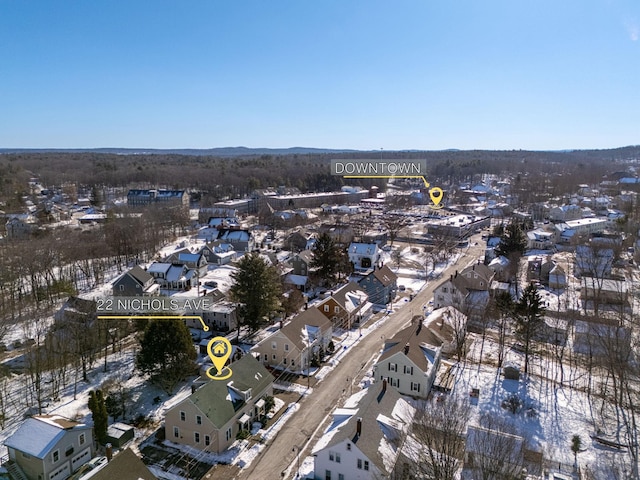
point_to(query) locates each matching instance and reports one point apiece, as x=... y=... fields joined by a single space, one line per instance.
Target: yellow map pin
x=219 y=350
x=436 y=194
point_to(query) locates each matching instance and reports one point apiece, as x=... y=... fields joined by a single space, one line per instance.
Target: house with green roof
x=211 y=417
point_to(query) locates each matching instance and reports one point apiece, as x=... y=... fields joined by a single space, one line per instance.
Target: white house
x=409 y=361
x=365 y=437
x=363 y=255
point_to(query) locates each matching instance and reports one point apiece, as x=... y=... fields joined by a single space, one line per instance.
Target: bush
x=243 y=434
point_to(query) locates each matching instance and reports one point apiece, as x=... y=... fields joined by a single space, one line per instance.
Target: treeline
x=36 y=273
x=238 y=176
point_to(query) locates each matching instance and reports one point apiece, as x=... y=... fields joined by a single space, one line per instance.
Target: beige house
x=292 y=346
x=468 y=290
x=409 y=361
x=211 y=417
x=49 y=447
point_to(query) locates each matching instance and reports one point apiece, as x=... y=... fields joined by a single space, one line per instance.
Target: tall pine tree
x=257 y=290
x=529 y=318
x=99 y=414
x=329 y=260
x=166 y=352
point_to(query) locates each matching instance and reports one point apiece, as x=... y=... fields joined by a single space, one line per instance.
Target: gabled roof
x=218 y=400
x=385 y=418
x=237 y=235
x=139 y=275
x=363 y=248
x=417 y=343
x=350 y=296
x=189 y=257
x=176 y=272
x=126 y=465
x=481 y=270
x=306 y=256
x=39 y=434
x=384 y=275
x=305 y=326
x=159 y=267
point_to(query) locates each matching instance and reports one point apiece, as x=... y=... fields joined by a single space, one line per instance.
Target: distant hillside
x=214 y=152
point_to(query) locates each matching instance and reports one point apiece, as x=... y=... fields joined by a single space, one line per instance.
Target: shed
x=119 y=434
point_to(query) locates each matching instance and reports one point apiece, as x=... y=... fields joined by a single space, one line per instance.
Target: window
x=176 y=432
x=183 y=416
x=340 y=476
x=274 y=345
x=207 y=440
x=326 y=308
x=68 y=451
x=337 y=457
x=331 y=456
x=198 y=419
x=55 y=456
x=336 y=309
x=266 y=357
x=359 y=464
x=122 y=288
x=81 y=439
x=273 y=356
x=349 y=446
x=408 y=370
x=366 y=465
x=293 y=362
x=444 y=289
x=286 y=347
x=393 y=367
x=196 y=437
x=415 y=387
x=284 y=360
x=228 y=434
x=327 y=475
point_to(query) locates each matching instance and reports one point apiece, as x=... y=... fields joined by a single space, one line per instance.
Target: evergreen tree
x=529 y=314
x=99 y=414
x=166 y=352
x=326 y=259
x=257 y=290
x=512 y=240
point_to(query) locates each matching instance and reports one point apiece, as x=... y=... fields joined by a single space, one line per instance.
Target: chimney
x=359 y=426
x=384 y=385
x=109 y=451
x=406 y=349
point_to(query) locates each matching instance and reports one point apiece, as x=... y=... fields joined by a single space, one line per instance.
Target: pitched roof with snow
x=39 y=434
x=385 y=418
x=417 y=343
x=385 y=276
x=305 y=327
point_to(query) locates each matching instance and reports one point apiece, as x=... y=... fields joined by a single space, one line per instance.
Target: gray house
x=136 y=282
x=381 y=285
x=50 y=447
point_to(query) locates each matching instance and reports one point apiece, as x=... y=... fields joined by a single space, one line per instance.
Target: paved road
x=280 y=453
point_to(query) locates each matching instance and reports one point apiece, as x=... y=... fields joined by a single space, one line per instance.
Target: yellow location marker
x=436 y=194
x=219 y=350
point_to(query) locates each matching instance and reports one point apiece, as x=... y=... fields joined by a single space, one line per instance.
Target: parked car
x=91 y=466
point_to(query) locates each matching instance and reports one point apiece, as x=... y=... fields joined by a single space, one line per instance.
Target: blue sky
x=364 y=74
